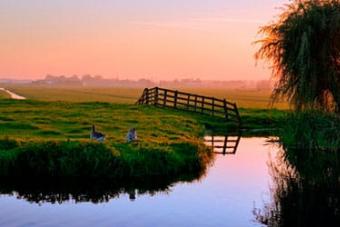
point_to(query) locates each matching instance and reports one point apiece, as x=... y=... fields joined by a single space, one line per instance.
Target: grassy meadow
x=64 y=120
x=259 y=99
x=52 y=128
x=52 y=139
x=243 y=98
x=79 y=94
x=254 y=106
x=4 y=95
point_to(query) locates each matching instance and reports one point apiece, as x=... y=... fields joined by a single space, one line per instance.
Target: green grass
x=52 y=139
x=98 y=160
x=55 y=134
x=62 y=120
x=254 y=105
x=4 y=95
x=262 y=121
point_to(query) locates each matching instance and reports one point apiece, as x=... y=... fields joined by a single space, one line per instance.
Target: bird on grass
x=131 y=136
x=96 y=135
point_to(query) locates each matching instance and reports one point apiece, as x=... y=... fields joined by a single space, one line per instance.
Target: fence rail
x=190 y=102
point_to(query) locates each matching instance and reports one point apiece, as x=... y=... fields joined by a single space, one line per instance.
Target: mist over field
x=253 y=94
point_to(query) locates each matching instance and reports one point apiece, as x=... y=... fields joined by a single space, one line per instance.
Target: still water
x=235 y=184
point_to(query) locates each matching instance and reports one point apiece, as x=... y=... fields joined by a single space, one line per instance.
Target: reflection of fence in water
x=223 y=144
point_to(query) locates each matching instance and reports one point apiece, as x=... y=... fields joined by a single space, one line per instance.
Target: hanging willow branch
x=303 y=46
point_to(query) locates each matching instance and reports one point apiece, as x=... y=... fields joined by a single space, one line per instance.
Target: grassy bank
x=52 y=139
x=93 y=160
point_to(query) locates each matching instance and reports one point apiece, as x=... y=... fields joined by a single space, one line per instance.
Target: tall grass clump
x=165 y=159
x=99 y=160
x=311 y=130
x=56 y=159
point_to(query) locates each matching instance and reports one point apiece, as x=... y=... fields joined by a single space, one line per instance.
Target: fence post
x=143 y=98
x=188 y=102
x=238 y=115
x=156 y=97
x=147 y=96
x=213 y=107
x=195 y=103
x=175 y=101
x=203 y=100
x=225 y=108
x=165 y=97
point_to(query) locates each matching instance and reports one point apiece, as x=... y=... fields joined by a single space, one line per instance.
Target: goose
x=96 y=135
x=132 y=135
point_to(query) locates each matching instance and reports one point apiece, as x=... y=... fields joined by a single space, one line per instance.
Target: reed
x=311 y=130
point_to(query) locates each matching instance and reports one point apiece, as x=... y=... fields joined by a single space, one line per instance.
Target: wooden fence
x=190 y=102
x=223 y=144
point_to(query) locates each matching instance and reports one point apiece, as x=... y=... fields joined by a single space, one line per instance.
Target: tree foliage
x=303 y=45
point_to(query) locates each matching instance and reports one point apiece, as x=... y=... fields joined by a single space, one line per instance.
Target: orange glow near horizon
x=209 y=47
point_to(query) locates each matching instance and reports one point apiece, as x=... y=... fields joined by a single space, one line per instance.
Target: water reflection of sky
x=225 y=197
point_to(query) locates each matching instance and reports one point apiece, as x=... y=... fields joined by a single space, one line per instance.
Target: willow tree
x=303 y=46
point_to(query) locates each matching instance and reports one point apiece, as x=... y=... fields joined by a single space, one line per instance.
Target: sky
x=132 y=39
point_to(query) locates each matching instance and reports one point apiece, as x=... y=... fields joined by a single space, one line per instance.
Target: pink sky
x=133 y=39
